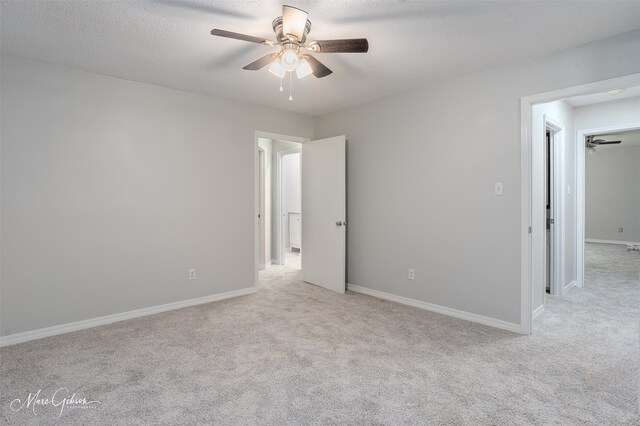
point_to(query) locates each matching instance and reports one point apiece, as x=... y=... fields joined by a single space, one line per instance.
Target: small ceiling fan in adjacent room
x=291 y=30
x=592 y=143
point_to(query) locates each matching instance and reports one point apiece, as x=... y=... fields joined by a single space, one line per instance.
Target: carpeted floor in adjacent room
x=296 y=354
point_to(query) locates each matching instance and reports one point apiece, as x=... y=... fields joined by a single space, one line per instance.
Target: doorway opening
x=549 y=176
x=581 y=218
x=571 y=119
x=289 y=189
x=302 y=185
x=278 y=202
x=554 y=204
x=262 y=229
x=607 y=196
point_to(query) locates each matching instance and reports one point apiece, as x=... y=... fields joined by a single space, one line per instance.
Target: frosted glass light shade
x=277 y=68
x=303 y=69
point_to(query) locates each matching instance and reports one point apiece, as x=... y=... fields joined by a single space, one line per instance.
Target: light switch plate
x=498 y=188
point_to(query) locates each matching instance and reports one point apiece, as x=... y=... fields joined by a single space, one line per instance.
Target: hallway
x=589 y=337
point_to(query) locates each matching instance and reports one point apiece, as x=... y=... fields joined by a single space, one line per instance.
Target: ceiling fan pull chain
x=290 y=87
x=281 y=89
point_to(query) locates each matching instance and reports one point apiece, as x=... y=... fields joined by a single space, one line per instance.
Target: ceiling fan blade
x=261 y=63
x=317 y=68
x=608 y=142
x=351 y=45
x=238 y=36
x=294 y=21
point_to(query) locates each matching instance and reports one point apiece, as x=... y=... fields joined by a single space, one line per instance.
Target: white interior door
x=324 y=207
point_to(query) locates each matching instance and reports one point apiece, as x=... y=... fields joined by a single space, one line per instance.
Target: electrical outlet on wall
x=620 y=229
x=412 y=274
x=192 y=274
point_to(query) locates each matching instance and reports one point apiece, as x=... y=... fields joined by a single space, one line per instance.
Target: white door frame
x=280 y=255
x=558 y=203
x=256 y=188
x=581 y=187
x=526 y=166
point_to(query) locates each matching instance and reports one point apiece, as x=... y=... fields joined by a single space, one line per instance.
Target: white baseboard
x=26 y=336
x=538 y=311
x=516 y=328
x=591 y=240
x=568 y=286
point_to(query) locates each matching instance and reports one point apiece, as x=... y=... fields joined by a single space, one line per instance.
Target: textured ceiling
x=412 y=44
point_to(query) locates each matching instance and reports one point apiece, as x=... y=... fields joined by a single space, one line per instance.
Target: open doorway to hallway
x=569 y=136
x=584 y=225
x=551 y=174
x=279 y=201
x=290 y=207
x=316 y=225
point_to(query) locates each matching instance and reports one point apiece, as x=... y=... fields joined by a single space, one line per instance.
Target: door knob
x=340 y=223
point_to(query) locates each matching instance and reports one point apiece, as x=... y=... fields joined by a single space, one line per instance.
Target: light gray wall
x=622 y=195
x=291 y=182
x=612 y=184
x=606 y=114
x=112 y=190
x=421 y=172
x=562 y=113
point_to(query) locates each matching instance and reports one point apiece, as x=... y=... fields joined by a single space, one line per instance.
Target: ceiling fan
x=291 y=31
x=591 y=143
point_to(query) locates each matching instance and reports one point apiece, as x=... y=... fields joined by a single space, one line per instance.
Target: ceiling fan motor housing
x=281 y=37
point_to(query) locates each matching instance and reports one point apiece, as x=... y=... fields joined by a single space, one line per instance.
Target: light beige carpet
x=296 y=354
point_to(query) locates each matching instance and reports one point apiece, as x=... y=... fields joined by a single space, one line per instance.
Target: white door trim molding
x=40 y=333
x=581 y=235
x=526 y=231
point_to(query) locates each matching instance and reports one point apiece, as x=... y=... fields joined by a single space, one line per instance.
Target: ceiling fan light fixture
x=291 y=30
x=277 y=68
x=303 y=69
x=290 y=60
